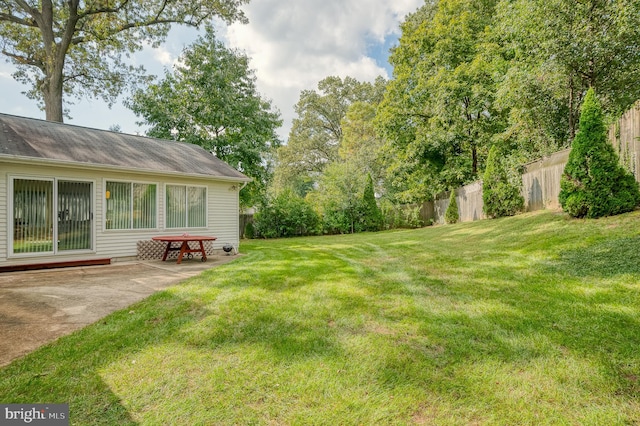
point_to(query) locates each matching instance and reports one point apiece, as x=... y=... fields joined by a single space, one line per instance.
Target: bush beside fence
x=541 y=179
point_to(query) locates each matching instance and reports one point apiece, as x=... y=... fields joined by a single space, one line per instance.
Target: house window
x=186 y=206
x=131 y=205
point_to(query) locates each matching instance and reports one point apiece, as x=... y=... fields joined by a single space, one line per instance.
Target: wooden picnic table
x=184 y=245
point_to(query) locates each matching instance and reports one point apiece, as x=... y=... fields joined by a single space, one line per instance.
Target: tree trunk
x=572 y=115
x=52 y=95
x=474 y=159
x=55 y=55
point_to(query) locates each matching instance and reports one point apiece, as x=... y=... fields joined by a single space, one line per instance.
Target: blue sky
x=292 y=44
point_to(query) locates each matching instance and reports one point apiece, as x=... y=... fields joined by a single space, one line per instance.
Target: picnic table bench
x=184 y=247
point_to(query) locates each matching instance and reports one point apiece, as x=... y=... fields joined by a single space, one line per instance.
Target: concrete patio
x=37 y=307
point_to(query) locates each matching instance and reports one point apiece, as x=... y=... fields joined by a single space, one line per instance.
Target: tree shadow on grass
x=284 y=336
x=71 y=370
x=524 y=318
x=472 y=360
x=68 y=370
x=603 y=259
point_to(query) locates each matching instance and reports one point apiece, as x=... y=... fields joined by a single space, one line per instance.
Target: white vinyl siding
x=224 y=211
x=4 y=214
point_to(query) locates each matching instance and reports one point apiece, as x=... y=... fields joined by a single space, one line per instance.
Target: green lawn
x=527 y=320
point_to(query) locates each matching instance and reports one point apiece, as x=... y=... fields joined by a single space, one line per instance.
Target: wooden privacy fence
x=624 y=135
x=541 y=179
x=541 y=182
x=469 y=200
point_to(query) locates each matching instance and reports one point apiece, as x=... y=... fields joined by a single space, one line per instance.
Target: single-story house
x=73 y=194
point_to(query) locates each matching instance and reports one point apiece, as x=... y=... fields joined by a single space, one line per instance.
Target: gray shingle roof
x=44 y=140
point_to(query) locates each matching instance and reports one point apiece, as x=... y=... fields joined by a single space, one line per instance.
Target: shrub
x=451 y=215
x=372 y=219
x=401 y=215
x=500 y=196
x=339 y=221
x=249 y=231
x=288 y=215
x=411 y=217
x=594 y=184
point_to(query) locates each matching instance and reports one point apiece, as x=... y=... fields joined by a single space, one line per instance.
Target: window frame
x=131 y=218
x=206 y=206
x=11 y=178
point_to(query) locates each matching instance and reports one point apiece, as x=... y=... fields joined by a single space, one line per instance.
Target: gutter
x=17 y=159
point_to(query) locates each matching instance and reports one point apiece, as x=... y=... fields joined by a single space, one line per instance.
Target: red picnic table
x=184 y=245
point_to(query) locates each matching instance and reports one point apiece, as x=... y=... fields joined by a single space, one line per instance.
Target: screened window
x=131 y=205
x=186 y=206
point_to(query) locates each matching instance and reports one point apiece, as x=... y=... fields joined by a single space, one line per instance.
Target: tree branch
x=70 y=29
x=128 y=26
x=10 y=18
x=98 y=11
x=24 y=61
x=26 y=7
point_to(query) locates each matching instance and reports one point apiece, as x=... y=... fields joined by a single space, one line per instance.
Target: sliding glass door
x=74 y=216
x=32 y=216
x=52 y=216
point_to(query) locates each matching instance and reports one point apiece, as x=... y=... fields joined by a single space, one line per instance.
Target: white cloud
x=296 y=43
x=163 y=56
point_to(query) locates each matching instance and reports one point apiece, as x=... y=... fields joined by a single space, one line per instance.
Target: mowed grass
x=527 y=320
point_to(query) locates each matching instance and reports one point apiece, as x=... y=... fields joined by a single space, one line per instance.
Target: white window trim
x=10 y=225
x=131 y=182
x=206 y=206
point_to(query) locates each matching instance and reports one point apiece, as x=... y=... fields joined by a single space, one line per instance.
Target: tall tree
x=317 y=131
x=438 y=112
x=569 y=46
x=76 y=48
x=402 y=114
x=361 y=143
x=338 y=198
x=211 y=100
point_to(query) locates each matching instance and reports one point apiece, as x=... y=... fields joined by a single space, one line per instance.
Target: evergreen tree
x=372 y=219
x=594 y=184
x=501 y=197
x=451 y=215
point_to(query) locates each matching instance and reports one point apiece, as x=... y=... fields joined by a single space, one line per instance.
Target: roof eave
x=17 y=159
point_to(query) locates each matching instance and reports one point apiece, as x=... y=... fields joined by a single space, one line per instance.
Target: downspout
x=237 y=249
